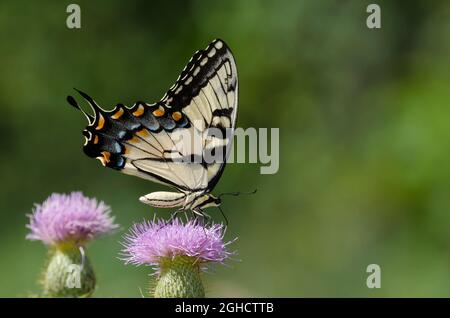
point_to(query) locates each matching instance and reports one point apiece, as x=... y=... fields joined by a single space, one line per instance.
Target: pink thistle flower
x=69 y=218
x=153 y=242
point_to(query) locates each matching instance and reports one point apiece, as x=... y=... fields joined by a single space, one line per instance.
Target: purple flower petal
x=150 y=241
x=69 y=217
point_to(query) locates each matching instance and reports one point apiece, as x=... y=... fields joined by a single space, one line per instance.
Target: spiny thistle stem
x=179 y=278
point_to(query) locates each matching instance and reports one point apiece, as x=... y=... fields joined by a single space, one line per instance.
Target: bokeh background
x=364 y=137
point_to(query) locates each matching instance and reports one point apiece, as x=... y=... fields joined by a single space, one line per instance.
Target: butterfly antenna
x=237 y=193
x=74 y=103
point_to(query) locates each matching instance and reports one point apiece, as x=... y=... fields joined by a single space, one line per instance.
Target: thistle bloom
x=66 y=223
x=69 y=218
x=178 y=252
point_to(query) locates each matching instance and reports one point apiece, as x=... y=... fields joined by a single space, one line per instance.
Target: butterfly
x=144 y=140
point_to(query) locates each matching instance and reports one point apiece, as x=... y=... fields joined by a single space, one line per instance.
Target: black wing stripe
x=209 y=104
x=217 y=89
x=223 y=89
x=217 y=97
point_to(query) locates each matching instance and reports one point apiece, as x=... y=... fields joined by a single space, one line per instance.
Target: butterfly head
x=217 y=201
x=205 y=201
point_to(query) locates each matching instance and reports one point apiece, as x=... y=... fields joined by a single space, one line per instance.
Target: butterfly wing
x=207 y=92
x=144 y=140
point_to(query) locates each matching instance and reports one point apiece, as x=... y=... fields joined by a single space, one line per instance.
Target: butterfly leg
x=201 y=216
x=174 y=215
x=206 y=215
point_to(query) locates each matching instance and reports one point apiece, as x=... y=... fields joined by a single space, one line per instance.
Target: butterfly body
x=144 y=140
x=196 y=201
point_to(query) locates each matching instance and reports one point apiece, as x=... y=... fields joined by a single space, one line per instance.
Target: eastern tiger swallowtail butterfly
x=139 y=140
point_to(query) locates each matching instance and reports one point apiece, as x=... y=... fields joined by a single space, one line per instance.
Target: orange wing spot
x=177 y=116
x=106 y=155
x=101 y=122
x=105 y=159
x=95 y=140
x=126 y=150
x=159 y=112
x=143 y=133
x=133 y=140
x=139 y=112
x=118 y=114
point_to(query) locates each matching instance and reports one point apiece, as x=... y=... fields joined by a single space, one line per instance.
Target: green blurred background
x=364 y=137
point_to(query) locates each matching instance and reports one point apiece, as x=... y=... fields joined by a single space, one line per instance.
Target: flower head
x=69 y=218
x=153 y=242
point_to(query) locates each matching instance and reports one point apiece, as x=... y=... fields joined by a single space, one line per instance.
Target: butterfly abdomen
x=164 y=199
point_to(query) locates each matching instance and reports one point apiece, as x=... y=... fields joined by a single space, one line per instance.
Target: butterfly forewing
x=144 y=140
